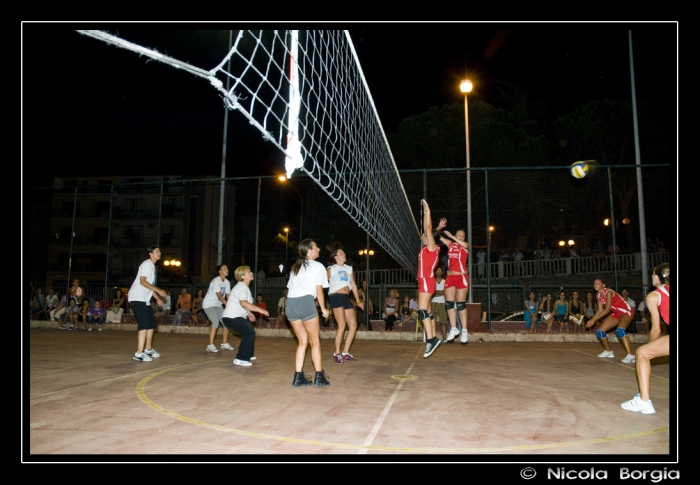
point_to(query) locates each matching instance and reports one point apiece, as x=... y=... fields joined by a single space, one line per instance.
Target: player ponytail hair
x=303 y=248
x=662 y=270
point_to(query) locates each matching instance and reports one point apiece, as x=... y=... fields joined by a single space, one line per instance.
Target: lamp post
x=466 y=87
x=286 y=247
x=367 y=253
x=491 y=229
x=283 y=178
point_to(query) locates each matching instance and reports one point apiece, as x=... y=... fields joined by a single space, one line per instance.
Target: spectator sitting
x=84 y=313
x=97 y=315
x=72 y=311
x=59 y=310
x=37 y=303
x=183 y=306
x=116 y=310
x=259 y=317
x=167 y=306
x=405 y=312
x=199 y=318
x=51 y=303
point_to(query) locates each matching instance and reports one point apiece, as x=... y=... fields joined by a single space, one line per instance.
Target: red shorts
x=427 y=285
x=616 y=313
x=459 y=281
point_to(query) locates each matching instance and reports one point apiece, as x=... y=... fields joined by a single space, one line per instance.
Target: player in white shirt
x=140 y=294
x=341 y=282
x=213 y=305
x=307 y=279
x=237 y=315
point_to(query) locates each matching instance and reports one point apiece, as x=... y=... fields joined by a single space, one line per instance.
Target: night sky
x=92 y=109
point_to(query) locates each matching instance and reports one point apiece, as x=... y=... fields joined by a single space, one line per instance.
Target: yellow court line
x=142 y=396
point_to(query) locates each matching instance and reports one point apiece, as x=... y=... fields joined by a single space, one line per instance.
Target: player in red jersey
x=658 y=346
x=613 y=311
x=457 y=282
x=427 y=261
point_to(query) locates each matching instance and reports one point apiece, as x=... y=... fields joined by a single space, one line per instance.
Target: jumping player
x=457 y=282
x=619 y=314
x=658 y=346
x=427 y=261
x=341 y=282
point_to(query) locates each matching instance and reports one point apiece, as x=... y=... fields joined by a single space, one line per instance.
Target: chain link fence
x=531 y=228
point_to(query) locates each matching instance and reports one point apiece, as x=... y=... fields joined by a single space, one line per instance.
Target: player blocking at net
x=427 y=261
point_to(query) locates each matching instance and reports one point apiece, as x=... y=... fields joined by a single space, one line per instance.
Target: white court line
x=625 y=366
x=380 y=420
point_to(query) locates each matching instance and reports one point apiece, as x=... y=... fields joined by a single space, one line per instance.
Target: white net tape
x=306 y=93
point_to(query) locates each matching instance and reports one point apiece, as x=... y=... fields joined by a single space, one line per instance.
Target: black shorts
x=338 y=300
x=145 y=318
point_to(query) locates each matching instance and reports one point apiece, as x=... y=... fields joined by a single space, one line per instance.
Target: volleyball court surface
x=87 y=396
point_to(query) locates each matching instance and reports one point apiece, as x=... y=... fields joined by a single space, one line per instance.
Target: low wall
x=407 y=333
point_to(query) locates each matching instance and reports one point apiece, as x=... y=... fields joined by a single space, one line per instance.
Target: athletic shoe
x=226 y=346
x=143 y=357
x=70 y=328
x=62 y=327
x=465 y=337
x=454 y=332
x=431 y=346
x=211 y=348
x=629 y=359
x=338 y=358
x=637 y=405
x=89 y=329
x=607 y=354
x=244 y=363
x=253 y=358
x=152 y=353
x=349 y=358
x=99 y=329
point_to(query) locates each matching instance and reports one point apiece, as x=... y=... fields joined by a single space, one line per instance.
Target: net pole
x=294 y=159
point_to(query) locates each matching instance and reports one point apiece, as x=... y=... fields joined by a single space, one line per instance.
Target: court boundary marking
x=364 y=448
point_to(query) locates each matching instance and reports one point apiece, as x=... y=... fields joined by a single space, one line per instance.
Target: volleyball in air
x=579 y=169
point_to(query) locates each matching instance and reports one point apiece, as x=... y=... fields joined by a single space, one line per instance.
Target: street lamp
x=491 y=229
x=466 y=87
x=283 y=178
x=286 y=246
x=365 y=252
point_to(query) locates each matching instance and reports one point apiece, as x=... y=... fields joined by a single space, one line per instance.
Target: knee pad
x=423 y=315
x=449 y=305
x=461 y=305
x=600 y=334
x=620 y=332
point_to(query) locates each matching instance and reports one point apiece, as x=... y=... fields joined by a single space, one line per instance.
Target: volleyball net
x=305 y=92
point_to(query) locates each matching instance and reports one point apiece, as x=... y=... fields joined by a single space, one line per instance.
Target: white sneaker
x=226 y=346
x=90 y=329
x=607 y=354
x=152 y=353
x=465 y=337
x=99 y=329
x=454 y=332
x=637 y=405
x=244 y=363
x=253 y=358
x=211 y=348
x=143 y=357
x=629 y=359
